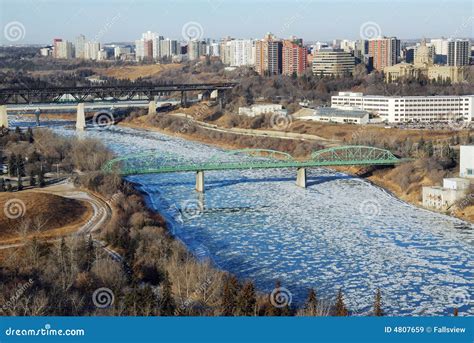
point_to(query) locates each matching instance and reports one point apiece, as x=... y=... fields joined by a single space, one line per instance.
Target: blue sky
x=125 y=20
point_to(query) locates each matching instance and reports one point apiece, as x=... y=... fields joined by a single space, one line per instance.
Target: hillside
x=44 y=215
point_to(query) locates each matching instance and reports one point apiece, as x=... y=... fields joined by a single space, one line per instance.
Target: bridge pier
x=3 y=116
x=184 y=101
x=81 y=117
x=200 y=181
x=152 y=107
x=301 y=177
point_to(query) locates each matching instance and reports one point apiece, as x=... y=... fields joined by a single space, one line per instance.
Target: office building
x=337 y=115
x=395 y=109
x=91 y=50
x=333 y=62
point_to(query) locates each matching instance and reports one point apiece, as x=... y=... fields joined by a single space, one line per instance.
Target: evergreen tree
x=12 y=166
x=32 y=179
x=20 y=164
x=378 y=304
x=311 y=304
x=230 y=291
x=167 y=305
x=41 y=180
x=429 y=149
x=421 y=144
x=340 y=309
x=19 y=186
x=246 y=300
x=29 y=135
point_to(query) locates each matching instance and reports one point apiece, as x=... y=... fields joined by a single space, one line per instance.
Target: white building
x=120 y=51
x=79 y=47
x=440 y=46
x=91 y=50
x=258 y=109
x=441 y=198
x=242 y=52
x=336 y=115
x=64 y=50
x=466 y=164
x=395 y=109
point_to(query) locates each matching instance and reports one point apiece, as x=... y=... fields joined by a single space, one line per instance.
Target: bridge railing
x=159 y=162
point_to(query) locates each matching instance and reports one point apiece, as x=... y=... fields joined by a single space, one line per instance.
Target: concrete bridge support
x=81 y=117
x=3 y=116
x=301 y=177
x=184 y=100
x=200 y=181
x=152 y=107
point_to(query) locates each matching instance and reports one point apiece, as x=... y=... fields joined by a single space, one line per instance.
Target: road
x=262 y=133
x=102 y=213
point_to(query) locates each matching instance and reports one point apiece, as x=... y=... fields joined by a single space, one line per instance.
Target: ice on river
x=340 y=232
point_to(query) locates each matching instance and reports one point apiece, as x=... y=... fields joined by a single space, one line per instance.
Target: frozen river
x=340 y=232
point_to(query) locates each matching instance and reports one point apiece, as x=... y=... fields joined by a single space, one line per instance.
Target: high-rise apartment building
x=196 y=49
x=168 y=48
x=268 y=59
x=79 y=47
x=385 y=51
x=91 y=50
x=63 y=49
x=458 y=52
x=242 y=52
x=148 y=47
x=294 y=57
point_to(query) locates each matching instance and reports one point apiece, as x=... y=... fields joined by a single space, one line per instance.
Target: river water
x=340 y=232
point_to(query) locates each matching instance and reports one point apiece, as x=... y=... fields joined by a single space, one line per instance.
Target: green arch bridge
x=155 y=162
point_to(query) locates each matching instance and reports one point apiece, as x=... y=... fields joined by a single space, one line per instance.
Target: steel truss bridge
x=156 y=163
x=30 y=95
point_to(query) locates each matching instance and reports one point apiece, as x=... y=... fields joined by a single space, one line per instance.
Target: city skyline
x=310 y=20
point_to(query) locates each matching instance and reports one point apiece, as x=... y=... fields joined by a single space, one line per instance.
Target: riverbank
x=380 y=177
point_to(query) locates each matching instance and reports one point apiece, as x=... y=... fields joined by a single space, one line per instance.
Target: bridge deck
x=249 y=166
